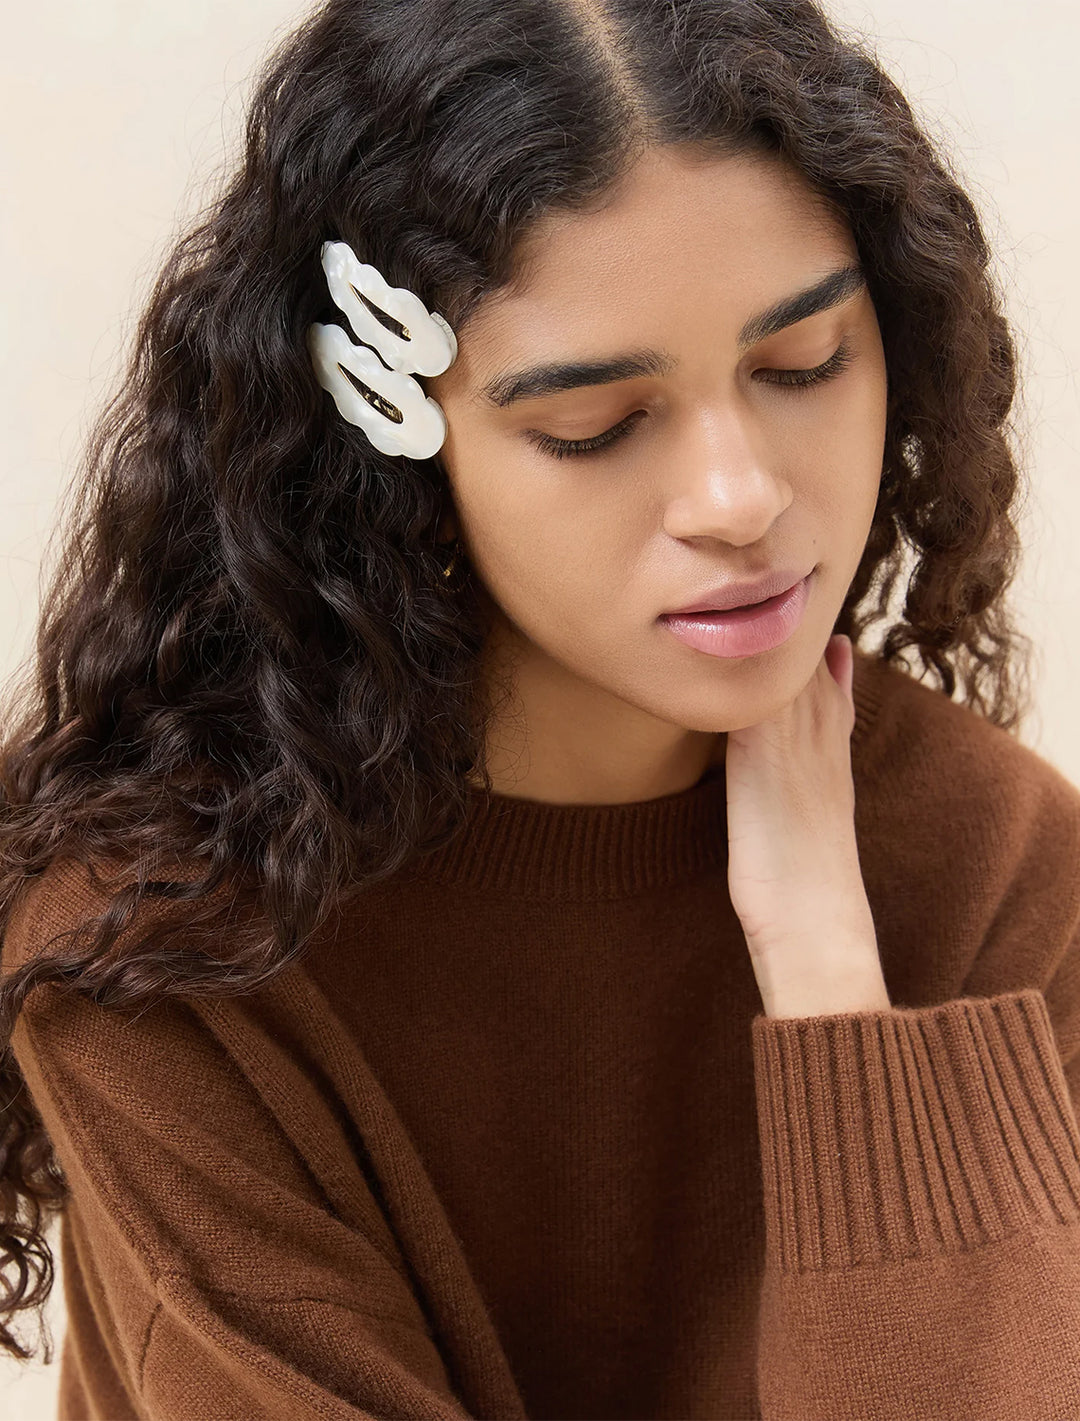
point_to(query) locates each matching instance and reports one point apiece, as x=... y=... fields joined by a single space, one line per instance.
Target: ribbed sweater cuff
x=899 y=1133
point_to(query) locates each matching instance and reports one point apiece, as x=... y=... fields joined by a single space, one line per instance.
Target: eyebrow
x=549 y=379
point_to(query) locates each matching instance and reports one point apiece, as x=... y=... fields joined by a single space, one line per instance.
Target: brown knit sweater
x=517 y=1140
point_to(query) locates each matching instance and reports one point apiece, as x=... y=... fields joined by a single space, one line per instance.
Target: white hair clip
x=396 y=414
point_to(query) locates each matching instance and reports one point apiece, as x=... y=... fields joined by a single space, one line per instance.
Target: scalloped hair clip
x=387 y=404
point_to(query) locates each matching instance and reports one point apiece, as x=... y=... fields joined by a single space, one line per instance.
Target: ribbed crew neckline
x=530 y=848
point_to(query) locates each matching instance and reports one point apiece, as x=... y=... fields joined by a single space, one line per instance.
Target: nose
x=724 y=482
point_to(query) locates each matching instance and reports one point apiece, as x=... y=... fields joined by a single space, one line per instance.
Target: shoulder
x=48 y=905
x=968 y=834
x=51 y=908
x=950 y=757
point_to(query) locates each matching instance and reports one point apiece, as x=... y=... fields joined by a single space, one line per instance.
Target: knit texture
x=514 y=1137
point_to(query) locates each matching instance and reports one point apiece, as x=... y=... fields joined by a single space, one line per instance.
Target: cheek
x=865 y=430
x=857 y=451
x=844 y=440
x=558 y=558
x=554 y=553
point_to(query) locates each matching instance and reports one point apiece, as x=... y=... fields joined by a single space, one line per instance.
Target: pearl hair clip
x=395 y=413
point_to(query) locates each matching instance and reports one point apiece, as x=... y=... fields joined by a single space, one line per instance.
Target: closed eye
x=790 y=379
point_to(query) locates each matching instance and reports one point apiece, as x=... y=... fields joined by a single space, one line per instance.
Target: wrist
x=823 y=984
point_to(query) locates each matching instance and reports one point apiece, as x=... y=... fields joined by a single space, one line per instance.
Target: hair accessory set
x=400 y=418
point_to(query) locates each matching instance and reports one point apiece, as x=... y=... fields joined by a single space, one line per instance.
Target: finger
x=840 y=659
x=834 y=658
x=849 y=679
x=849 y=666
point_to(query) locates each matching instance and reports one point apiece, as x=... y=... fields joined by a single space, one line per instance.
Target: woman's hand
x=793 y=863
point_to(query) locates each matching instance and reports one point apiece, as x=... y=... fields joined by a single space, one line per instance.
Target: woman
x=467 y=987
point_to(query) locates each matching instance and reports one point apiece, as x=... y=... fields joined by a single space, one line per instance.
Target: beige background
x=114 y=113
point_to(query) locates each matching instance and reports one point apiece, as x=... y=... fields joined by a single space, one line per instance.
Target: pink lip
x=746 y=631
x=732 y=595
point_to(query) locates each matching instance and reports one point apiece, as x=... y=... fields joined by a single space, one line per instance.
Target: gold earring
x=449 y=568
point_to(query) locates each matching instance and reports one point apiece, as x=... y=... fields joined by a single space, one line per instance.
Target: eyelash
x=797 y=379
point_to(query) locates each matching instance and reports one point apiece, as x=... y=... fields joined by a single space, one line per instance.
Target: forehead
x=682 y=238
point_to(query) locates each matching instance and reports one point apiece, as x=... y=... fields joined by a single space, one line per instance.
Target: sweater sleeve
x=224 y=1282
x=921 y=1176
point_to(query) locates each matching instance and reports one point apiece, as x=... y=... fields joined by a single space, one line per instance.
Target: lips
x=745 y=606
x=743 y=631
x=731 y=595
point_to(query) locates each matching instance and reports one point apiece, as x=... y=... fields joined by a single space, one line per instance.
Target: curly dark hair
x=248 y=659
